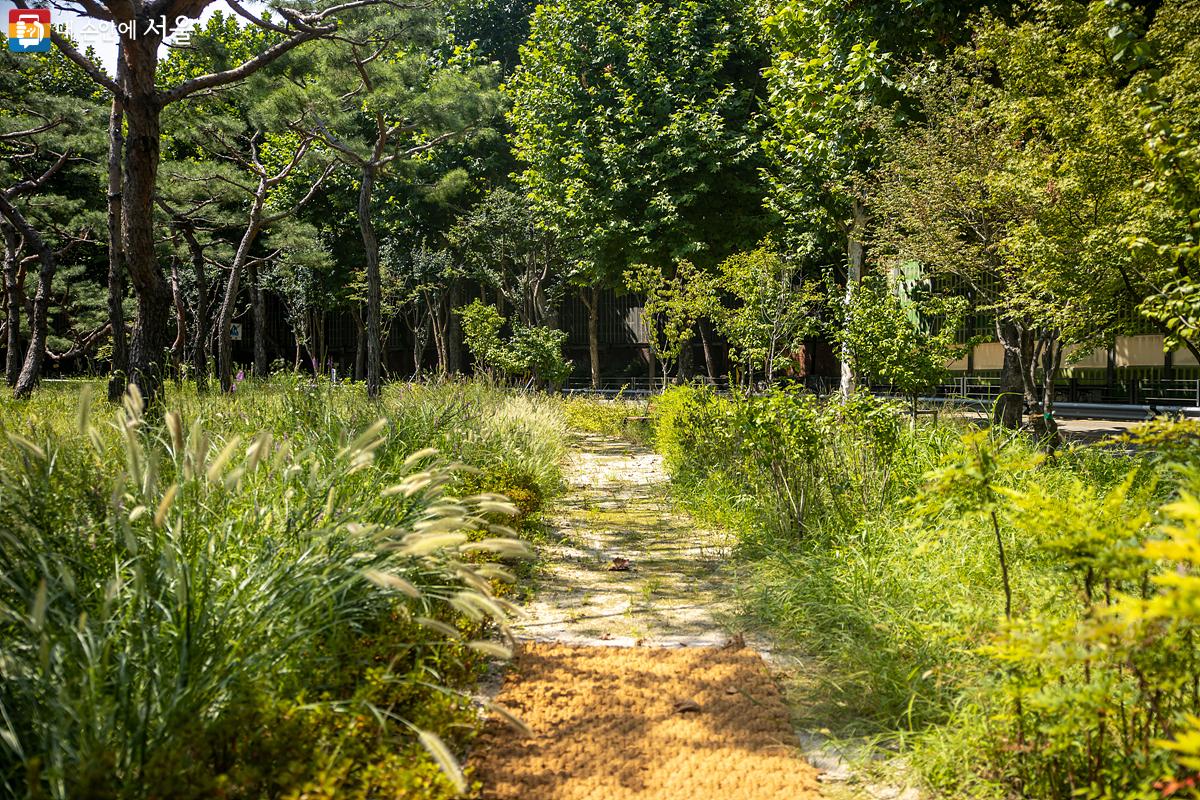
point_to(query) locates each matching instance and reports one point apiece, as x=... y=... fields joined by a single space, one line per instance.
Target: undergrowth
x=1020 y=625
x=280 y=593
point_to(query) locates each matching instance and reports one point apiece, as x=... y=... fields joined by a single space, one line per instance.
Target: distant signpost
x=235 y=331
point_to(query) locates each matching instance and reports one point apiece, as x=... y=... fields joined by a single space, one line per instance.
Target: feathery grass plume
x=167 y=587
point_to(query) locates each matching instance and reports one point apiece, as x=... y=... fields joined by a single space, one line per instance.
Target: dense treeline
x=1033 y=162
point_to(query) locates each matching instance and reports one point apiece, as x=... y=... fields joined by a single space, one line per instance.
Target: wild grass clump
x=617 y=416
x=273 y=594
x=997 y=612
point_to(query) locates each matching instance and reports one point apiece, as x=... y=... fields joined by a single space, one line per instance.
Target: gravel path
x=630 y=675
x=622 y=568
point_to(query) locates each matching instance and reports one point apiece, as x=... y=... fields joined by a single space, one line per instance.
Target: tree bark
x=200 y=317
x=855 y=259
x=151 y=336
x=31 y=368
x=12 y=302
x=177 y=346
x=590 y=297
x=1045 y=426
x=1007 y=411
x=710 y=365
x=453 y=331
x=258 y=305
x=371 y=254
x=232 y=288
x=119 y=368
x=684 y=370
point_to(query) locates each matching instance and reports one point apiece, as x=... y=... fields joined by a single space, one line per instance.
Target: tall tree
x=143 y=26
x=638 y=127
x=385 y=97
x=833 y=62
x=502 y=246
x=49 y=142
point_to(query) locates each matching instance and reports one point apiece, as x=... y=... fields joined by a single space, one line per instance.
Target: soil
x=610 y=723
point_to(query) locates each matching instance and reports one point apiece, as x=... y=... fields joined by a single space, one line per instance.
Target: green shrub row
x=1020 y=625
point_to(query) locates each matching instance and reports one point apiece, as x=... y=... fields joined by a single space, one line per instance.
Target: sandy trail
x=681 y=710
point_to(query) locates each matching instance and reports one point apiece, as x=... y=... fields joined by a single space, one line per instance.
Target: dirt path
x=681 y=711
x=672 y=591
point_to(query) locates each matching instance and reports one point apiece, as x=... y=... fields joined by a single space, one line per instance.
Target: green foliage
x=481 y=333
x=234 y=599
x=831 y=64
x=806 y=463
x=774 y=308
x=530 y=352
x=1171 y=117
x=886 y=344
x=671 y=306
x=623 y=163
x=874 y=545
x=505 y=249
x=536 y=352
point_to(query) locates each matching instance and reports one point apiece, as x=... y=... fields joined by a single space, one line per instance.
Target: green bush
x=531 y=352
x=876 y=547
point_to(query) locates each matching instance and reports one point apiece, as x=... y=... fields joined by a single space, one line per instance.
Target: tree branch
x=83 y=62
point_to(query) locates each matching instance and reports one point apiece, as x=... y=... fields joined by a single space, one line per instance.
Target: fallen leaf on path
x=687 y=707
x=619 y=565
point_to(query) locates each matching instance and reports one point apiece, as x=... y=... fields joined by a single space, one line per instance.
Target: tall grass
x=875 y=547
x=239 y=596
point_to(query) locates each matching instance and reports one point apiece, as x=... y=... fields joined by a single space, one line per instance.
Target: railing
x=1142 y=398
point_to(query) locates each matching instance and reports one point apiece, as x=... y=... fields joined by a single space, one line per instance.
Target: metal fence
x=1136 y=398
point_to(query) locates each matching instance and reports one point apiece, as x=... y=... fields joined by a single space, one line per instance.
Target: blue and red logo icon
x=29 y=30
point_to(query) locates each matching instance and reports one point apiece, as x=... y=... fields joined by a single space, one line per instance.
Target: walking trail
x=630 y=676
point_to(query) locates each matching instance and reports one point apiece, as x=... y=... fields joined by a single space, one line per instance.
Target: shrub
x=877 y=547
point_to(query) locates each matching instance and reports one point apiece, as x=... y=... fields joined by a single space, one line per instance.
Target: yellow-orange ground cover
x=611 y=723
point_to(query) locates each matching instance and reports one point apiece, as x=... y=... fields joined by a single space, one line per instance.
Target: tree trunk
x=1007 y=411
x=151 y=336
x=119 y=369
x=232 y=288
x=31 y=369
x=180 y=342
x=710 y=365
x=371 y=254
x=438 y=326
x=453 y=332
x=200 y=317
x=258 y=304
x=319 y=356
x=1045 y=426
x=12 y=304
x=591 y=299
x=855 y=258
x=684 y=370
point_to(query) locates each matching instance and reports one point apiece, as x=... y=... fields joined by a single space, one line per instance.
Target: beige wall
x=1131 y=351
x=1140 y=351
x=1097 y=359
